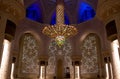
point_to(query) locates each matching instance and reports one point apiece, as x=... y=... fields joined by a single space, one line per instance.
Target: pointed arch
x=91 y=55
x=28 y=56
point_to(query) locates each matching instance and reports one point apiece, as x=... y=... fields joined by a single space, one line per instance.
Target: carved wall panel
x=29 y=57
x=55 y=52
x=89 y=55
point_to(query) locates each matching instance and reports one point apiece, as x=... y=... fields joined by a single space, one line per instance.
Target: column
x=43 y=65
x=117 y=21
x=109 y=68
x=12 y=67
x=5 y=64
x=3 y=21
x=115 y=52
x=115 y=60
x=39 y=71
x=79 y=69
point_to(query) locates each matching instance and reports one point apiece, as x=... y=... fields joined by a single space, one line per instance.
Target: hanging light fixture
x=60 y=32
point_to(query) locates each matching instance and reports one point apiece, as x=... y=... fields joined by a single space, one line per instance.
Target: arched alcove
x=91 y=56
x=64 y=55
x=28 y=56
x=85 y=12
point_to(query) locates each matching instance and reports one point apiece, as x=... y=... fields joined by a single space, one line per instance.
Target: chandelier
x=60 y=32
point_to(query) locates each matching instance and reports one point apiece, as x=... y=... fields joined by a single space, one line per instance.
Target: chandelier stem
x=60 y=12
x=60 y=31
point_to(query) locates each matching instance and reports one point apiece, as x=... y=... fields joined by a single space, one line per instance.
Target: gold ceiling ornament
x=60 y=32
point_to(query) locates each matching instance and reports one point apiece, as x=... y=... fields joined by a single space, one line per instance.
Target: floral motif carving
x=55 y=52
x=29 y=55
x=89 y=55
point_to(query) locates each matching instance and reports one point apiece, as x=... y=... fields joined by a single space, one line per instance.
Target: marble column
x=77 y=69
x=5 y=48
x=115 y=62
x=3 y=21
x=115 y=55
x=109 y=69
x=5 y=64
x=117 y=21
x=39 y=71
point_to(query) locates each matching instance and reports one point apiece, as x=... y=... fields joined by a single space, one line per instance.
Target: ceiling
x=72 y=8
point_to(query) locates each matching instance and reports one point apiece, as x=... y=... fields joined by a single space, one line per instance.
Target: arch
x=32 y=32
x=34 y=12
x=29 y=55
x=35 y=34
x=60 y=69
x=53 y=19
x=55 y=54
x=91 y=55
x=85 y=12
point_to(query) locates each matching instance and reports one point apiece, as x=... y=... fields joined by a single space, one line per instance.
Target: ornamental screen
x=29 y=57
x=89 y=55
x=54 y=53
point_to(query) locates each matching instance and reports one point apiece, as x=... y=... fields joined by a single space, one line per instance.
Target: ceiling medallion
x=60 y=32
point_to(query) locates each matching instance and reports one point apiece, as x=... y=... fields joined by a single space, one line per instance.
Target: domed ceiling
x=76 y=11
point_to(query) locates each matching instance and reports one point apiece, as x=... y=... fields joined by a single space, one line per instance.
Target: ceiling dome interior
x=37 y=11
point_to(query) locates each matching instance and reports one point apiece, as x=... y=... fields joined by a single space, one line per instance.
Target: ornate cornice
x=107 y=9
x=12 y=8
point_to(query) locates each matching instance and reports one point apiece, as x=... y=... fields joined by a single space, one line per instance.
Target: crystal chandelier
x=60 y=32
